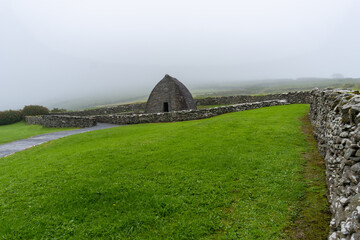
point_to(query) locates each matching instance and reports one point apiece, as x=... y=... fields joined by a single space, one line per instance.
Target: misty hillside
x=257 y=87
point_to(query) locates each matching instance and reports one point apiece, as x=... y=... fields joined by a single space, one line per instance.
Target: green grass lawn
x=234 y=176
x=21 y=130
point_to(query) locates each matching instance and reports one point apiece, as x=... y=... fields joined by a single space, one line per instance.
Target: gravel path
x=17 y=146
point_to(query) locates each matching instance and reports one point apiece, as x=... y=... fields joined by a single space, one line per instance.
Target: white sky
x=61 y=48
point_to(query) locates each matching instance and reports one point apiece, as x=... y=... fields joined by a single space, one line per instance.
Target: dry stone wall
x=335 y=115
x=184 y=115
x=61 y=121
x=68 y=121
x=121 y=119
x=136 y=107
x=169 y=95
x=291 y=97
x=34 y=120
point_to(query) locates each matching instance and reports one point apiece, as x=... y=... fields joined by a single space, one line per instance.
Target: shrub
x=10 y=116
x=34 y=110
x=58 y=110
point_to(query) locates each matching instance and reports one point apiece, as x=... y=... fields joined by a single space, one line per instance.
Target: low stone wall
x=136 y=107
x=184 y=115
x=121 y=119
x=68 y=121
x=53 y=121
x=291 y=97
x=335 y=115
x=34 y=120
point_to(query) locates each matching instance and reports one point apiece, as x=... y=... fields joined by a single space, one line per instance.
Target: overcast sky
x=51 y=50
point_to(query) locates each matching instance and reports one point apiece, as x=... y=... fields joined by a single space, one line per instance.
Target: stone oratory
x=169 y=95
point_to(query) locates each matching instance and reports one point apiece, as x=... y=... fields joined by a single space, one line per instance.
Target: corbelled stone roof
x=169 y=95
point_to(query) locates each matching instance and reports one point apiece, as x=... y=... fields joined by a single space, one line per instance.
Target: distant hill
x=254 y=87
x=276 y=86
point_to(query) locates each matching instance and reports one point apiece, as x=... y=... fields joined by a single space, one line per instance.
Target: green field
x=21 y=130
x=235 y=176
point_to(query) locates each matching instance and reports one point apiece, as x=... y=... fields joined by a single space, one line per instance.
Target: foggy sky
x=57 y=50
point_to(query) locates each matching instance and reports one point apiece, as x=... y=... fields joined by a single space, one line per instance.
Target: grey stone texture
x=135 y=107
x=291 y=97
x=335 y=115
x=116 y=114
x=169 y=95
x=34 y=120
x=184 y=115
x=59 y=121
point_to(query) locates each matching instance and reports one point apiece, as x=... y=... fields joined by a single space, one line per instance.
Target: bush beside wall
x=35 y=110
x=10 y=116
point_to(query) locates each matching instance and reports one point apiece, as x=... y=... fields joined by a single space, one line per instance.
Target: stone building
x=169 y=95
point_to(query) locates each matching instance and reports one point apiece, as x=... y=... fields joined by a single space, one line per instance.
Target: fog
x=59 y=50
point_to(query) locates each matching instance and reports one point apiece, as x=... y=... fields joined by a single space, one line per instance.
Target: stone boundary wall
x=183 y=115
x=34 y=120
x=291 y=97
x=135 y=107
x=61 y=121
x=121 y=119
x=335 y=116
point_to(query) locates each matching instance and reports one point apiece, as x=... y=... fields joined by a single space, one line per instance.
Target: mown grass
x=235 y=176
x=21 y=130
x=314 y=217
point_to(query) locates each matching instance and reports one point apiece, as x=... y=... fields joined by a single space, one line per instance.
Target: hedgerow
x=34 y=110
x=10 y=116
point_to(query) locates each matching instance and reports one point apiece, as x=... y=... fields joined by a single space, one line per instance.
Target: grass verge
x=234 y=176
x=314 y=215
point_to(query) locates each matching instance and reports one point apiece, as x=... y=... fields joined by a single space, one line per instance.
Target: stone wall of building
x=169 y=95
x=335 y=115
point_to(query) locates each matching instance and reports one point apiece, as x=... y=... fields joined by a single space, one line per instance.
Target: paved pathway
x=19 y=145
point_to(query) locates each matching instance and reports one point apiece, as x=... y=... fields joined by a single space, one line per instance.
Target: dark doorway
x=166 y=107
